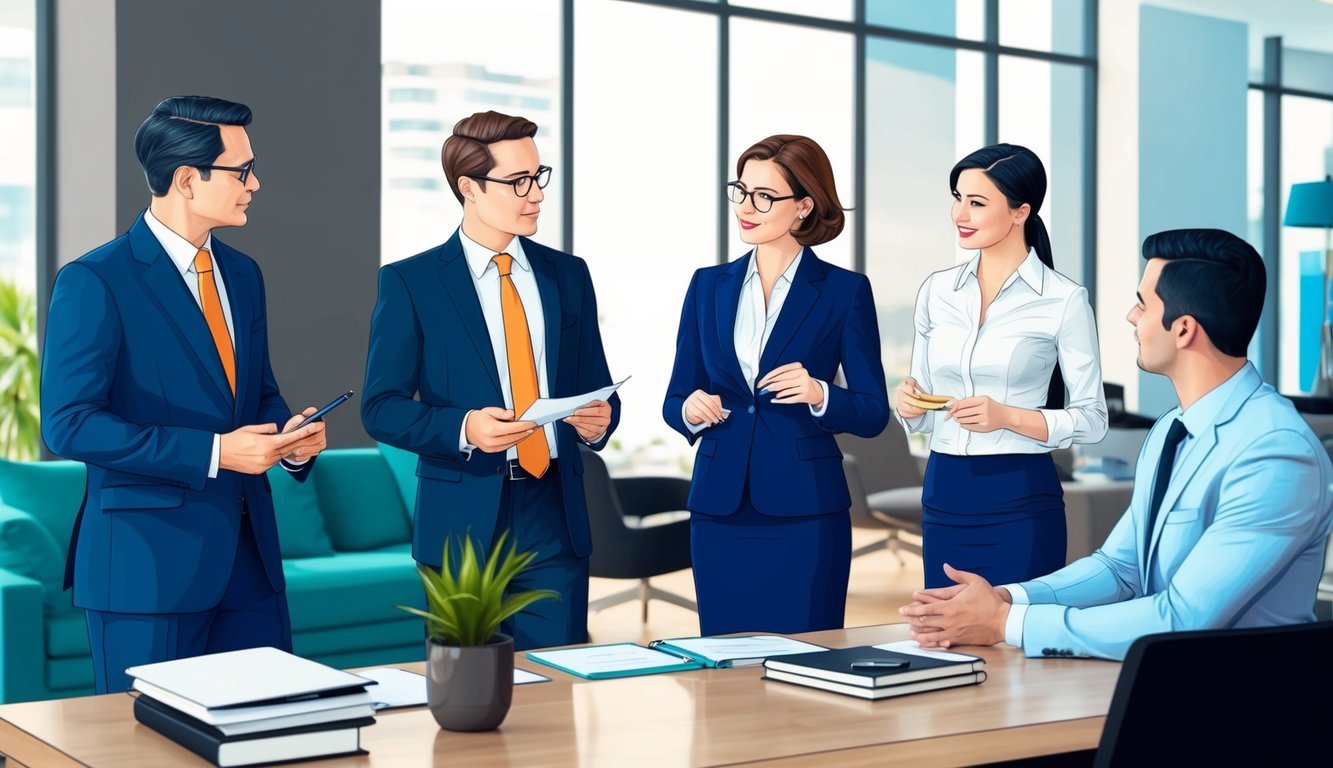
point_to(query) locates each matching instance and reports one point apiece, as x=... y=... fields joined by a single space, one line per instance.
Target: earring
x=800 y=216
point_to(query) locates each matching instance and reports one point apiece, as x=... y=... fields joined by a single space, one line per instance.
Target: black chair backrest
x=885 y=461
x=1224 y=697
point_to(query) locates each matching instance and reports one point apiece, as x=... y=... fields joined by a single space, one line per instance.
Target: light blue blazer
x=1238 y=541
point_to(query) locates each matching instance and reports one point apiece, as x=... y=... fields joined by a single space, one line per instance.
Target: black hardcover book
x=263 y=748
x=880 y=692
x=871 y=667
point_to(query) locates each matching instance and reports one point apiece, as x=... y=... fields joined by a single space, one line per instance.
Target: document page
x=548 y=409
x=910 y=647
x=614 y=660
x=739 y=650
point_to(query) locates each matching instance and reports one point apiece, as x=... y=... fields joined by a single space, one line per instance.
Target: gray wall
x=310 y=70
x=1193 y=83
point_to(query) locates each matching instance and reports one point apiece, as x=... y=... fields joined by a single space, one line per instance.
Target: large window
x=663 y=95
x=1300 y=97
x=444 y=60
x=18 y=150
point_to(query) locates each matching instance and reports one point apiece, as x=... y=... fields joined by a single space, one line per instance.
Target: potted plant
x=469 y=663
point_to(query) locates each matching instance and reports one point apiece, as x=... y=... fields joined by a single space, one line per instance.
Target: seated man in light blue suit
x=1231 y=505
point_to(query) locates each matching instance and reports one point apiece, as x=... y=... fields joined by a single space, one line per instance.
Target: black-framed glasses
x=244 y=170
x=523 y=184
x=762 y=201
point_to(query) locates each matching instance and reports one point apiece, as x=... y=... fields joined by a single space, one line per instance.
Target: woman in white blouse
x=1001 y=336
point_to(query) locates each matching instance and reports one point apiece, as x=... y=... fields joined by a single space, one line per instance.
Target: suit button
x=240 y=499
x=749 y=409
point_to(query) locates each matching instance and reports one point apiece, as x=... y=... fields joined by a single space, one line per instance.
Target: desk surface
x=1027 y=707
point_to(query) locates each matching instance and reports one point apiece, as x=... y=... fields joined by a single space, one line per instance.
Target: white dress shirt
x=1039 y=317
x=486 y=279
x=754 y=324
x=182 y=253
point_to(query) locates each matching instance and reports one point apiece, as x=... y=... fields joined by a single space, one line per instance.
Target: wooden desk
x=1027 y=707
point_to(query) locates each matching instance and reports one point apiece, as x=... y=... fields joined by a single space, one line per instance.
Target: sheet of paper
x=756 y=647
x=910 y=647
x=608 y=659
x=400 y=688
x=548 y=409
x=523 y=677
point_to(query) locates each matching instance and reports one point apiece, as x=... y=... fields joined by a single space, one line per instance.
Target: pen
x=879 y=664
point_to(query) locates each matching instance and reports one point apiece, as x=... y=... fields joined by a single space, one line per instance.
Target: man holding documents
x=156 y=374
x=1231 y=505
x=464 y=339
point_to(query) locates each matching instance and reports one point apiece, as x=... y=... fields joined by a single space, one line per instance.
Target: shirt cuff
x=216 y=457
x=593 y=441
x=1059 y=428
x=291 y=465
x=1013 y=626
x=464 y=447
x=1017 y=593
x=693 y=428
x=823 y=407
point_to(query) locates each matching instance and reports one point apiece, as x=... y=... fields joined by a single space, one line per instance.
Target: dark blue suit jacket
x=790 y=458
x=132 y=386
x=431 y=362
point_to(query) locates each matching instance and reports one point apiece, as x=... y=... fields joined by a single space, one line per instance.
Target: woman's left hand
x=979 y=414
x=791 y=383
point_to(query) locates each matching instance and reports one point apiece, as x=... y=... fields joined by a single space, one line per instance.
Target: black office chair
x=889 y=482
x=1223 y=697
x=640 y=529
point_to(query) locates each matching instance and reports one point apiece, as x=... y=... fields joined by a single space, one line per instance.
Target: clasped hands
x=493 y=429
x=255 y=448
x=971 y=612
x=788 y=384
x=975 y=414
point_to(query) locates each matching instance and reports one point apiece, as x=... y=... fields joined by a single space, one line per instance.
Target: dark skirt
x=757 y=573
x=1000 y=516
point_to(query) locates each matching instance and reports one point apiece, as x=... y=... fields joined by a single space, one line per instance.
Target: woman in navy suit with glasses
x=761 y=340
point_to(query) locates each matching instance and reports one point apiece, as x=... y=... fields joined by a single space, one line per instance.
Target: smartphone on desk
x=317 y=415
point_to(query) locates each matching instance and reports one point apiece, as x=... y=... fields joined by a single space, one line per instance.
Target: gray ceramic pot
x=470 y=688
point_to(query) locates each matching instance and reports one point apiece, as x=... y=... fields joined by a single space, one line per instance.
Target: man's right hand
x=255 y=448
x=494 y=430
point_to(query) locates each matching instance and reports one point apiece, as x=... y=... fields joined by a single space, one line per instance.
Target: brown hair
x=807 y=169
x=465 y=152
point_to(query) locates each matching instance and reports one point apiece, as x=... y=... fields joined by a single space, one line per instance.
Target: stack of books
x=877 y=671
x=255 y=706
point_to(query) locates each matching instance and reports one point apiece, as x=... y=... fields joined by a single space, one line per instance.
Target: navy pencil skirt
x=1000 y=516
x=759 y=573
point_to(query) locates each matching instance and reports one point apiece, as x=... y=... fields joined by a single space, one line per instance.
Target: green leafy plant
x=20 y=414
x=465 y=599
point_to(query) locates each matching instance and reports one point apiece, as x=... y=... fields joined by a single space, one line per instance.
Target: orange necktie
x=533 y=455
x=212 y=306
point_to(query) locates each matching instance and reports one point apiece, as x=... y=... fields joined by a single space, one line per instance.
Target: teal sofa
x=346 y=548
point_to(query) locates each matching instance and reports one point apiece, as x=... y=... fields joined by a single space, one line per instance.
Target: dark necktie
x=1164 y=464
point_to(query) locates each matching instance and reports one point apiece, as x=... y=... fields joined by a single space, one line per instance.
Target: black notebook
x=881 y=692
x=285 y=745
x=870 y=667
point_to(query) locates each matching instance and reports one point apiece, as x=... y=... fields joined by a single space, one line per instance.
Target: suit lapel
x=242 y=317
x=167 y=287
x=548 y=286
x=728 y=297
x=1194 y=457
x=462 y=292
x=801 y=297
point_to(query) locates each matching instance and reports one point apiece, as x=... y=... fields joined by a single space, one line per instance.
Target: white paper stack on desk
x=259 y=705
x=877 y=671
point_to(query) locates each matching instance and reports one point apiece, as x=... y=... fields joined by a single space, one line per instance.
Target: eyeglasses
x=762 y=201
x=245 y=170
x=523 y=184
